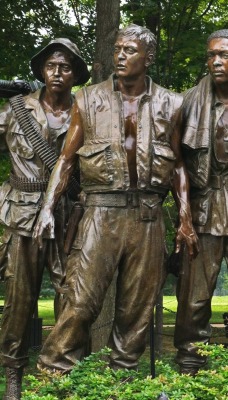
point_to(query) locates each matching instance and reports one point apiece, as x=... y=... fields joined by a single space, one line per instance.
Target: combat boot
x=13 y=383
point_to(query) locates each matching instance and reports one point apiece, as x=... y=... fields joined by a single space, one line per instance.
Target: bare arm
x=60 y=176
x=185 y=230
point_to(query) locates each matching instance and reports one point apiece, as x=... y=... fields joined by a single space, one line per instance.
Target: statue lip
x=120 y=66
x=56 y=82
x=217 y=71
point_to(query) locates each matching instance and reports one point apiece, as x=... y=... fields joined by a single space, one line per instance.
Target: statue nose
x=217 y=61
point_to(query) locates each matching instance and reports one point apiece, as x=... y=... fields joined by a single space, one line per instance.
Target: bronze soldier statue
x=47 y=113
x=205 y=148
x=123 y=131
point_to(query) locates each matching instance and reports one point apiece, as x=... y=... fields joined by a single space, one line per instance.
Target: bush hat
x=79 y=65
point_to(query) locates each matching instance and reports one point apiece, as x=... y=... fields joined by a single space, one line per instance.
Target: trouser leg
x=195 y=290
x=100 y=246
x=89 y=272
x=140 y=279
x=56 y=265
x=22 y=278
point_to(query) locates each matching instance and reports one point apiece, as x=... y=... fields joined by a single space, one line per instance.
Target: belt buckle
x=132 y=200
x=129 y=199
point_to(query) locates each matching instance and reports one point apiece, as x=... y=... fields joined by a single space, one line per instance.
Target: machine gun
x=17 y=86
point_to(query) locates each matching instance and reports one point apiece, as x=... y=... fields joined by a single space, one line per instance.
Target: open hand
x=45 y=222
x=186 y=233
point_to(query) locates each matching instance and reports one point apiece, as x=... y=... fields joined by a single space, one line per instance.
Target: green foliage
x=170 y=216
x=181 y=28
x=92 y=379
x=84 y=30
x=24 y=23
x=4 y=168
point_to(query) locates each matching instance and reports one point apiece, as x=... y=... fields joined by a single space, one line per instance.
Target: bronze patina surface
x=22 y=262
x=123 y=131
x=205 y=141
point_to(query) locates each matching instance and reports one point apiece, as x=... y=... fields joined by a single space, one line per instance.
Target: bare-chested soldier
x=123 y=131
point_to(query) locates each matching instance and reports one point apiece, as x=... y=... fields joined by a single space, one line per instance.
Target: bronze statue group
x=130 y=141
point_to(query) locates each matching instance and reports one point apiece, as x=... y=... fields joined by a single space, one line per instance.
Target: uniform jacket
x=197 y=126
x=103 y=159
x=18 y=209
x=208 y=192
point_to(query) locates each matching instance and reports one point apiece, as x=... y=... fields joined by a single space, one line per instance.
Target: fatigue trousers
x=196 y=285
x=109 y=238
x=25 y=264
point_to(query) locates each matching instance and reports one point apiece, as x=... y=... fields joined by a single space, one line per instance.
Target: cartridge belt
x=28 y=184
x=124 y=199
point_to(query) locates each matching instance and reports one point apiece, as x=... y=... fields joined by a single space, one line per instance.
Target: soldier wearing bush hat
x=59 y=66
x=79 y=65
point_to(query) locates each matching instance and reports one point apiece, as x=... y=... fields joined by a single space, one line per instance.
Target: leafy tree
x=79 y=20
x=24 y=23
x=181 y=28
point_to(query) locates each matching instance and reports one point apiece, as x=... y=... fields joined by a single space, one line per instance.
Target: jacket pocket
x=201 y=206
x=19 y=210
x=149 y=208
x=96 y=165
x=163 y=161
x=19 y=144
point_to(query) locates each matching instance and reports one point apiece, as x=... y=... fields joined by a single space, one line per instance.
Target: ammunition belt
x=28 y=185
x=40 y=145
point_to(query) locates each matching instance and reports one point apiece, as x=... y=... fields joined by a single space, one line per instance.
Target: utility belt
x=218 y=181
x=123 y=199
x=148 y=204
x=28 y=184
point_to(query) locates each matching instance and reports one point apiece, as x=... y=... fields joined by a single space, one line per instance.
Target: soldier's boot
x=13 y=383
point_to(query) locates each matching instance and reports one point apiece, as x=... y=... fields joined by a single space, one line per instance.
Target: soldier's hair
x=222 y=33
x=142 y=34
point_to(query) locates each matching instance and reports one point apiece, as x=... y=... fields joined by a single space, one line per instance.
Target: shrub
x=92 y=379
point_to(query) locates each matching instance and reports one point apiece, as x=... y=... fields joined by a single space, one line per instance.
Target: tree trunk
x=108 y=18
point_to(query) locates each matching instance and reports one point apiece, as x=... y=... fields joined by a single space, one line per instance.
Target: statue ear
x=42 y=71
x=149 y=59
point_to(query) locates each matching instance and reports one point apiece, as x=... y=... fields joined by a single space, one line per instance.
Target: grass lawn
x=219 y=306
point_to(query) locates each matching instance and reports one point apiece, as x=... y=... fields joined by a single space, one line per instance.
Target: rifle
x=174 y=261
x=72 y=227
x=18 y=86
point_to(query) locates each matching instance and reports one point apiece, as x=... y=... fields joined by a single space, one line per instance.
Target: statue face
x=58 y=72
x=217 y=60
x=130 y=57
